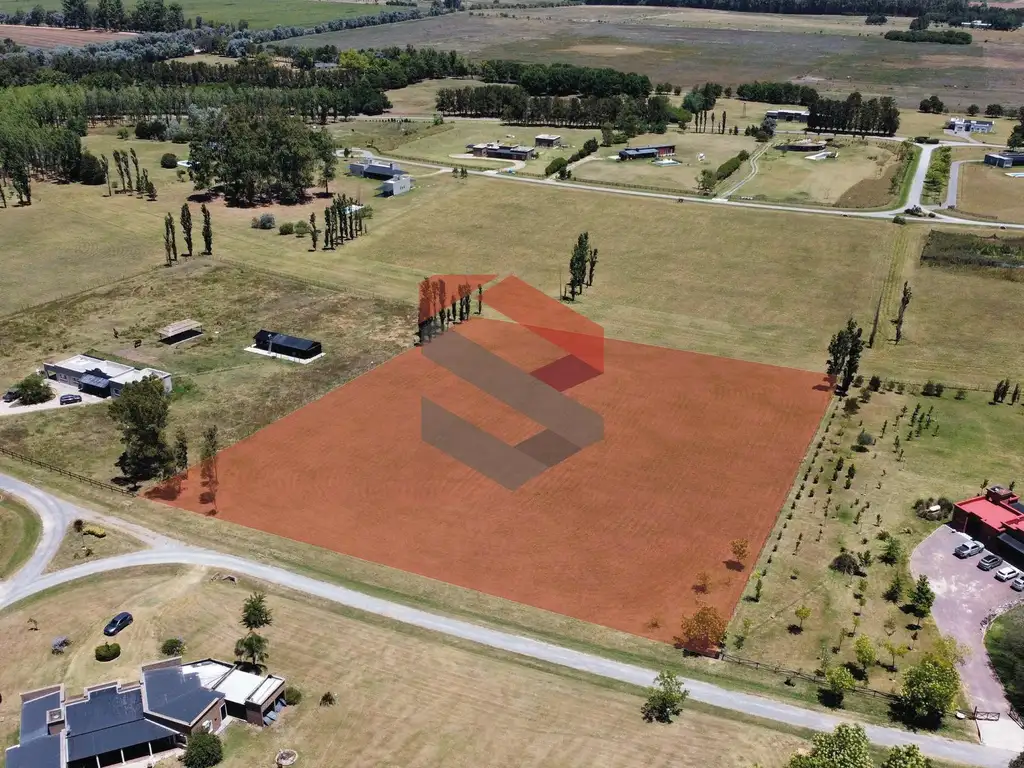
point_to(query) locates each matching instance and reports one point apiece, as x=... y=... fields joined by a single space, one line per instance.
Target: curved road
x=56 y=514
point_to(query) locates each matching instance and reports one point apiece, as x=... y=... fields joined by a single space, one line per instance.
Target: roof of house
x=173 y=329
x=994 y=515
x=376 y=169
x=89 y=364
x=33 y=714
x=108 y=718
x=177 y=694
x=93 y=380
x=234 y=684
x=547 y=137
x=283 y=340
x=41 y=752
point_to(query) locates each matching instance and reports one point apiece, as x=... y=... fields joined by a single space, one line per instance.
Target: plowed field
x=697 y=451
x=52 y=37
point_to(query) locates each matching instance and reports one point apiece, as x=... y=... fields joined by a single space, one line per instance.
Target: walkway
x=56 y=513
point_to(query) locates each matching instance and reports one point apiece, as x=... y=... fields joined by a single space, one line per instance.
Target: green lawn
x=19 y=532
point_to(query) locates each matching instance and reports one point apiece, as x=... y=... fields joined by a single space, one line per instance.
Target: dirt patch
x=608 y=50
x=52 y=37
x=614 y=535
x=870 y=193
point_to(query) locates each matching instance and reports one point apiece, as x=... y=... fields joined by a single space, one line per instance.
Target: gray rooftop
x=33 y=715
x=41 y=752
x=176 y=695
x=108 y=719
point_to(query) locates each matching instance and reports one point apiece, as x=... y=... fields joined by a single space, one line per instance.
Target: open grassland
x=19 y=533
x=421 y=98
x=860 y=175
x=384 y=134
x=403 y=696
x=965 y=443
x=77 y=548
x=665 y=45
x=987 y=192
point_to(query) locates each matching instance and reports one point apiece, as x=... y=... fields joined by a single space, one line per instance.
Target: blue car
x=118 y=623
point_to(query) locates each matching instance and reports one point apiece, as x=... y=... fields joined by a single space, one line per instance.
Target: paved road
x=56 y=512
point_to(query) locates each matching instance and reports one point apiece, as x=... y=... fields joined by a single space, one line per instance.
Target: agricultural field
x=965 y=443
x=986 y=192
x=431 y=699
x=19 y=532
x=859 y=177
x=53 y=37
x=421 y=98
x=606 y=167
x=664 y=45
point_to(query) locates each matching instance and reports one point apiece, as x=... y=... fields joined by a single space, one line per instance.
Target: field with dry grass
x=54 y=37
x=403 y=696
x=19 y=532
x=77 y=548
x=986 y=192
x=421 y=98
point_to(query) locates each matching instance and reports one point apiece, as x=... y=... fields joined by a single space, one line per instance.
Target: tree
x=894 y=553
x=170 y=240
x=141 y=415
x=203 y=750
x=896 y=588
x=802 y=613
x=578 y=264
x=839 y=681
x=906 y=757
x=180 y=450
x=922 y=598
x=973 y=110
x=253 y=647
x=314 y=233
x=704 y=631
x=896 y=650
x=255 y=612
x=208 y=463
x=207 y=231
x=34 y=389
x=664 y=699
x=703 y=584
x=592 y=264
x=846 y=747
x=185 y=219
x=865 y=651
x=844 y=352
x=1017 y=762
x=706 y=182
x=106 y=174
x=740 y=549
x=929 y=690
x=904 y=303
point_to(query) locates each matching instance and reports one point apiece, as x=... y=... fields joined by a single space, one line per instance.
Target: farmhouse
x=1004 y=159
x=288 y=346
x=111 y=724
x=547 y=140
x=502 y=151
x=788 y=115
x=967 y=125
x=648 y=151
x=396 y=186
x=101 y=377
x=375 y=170
x=996 y=519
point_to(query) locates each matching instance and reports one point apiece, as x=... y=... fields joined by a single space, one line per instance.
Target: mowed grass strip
x=986 y=192
x=20 y=529
x=405 y=696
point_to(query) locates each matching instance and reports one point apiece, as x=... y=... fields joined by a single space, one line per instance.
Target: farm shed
x=396 y=186
x=788 y=115
x=180 y=331
x=375 y=170
x=547 y=140
x=1004 y=159
x=648 y=151
x=289 y=346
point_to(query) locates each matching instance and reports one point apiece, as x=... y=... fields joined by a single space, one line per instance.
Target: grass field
x=403 y=696
x=860 y=174
x=19 y=533
x=385 y=134
x=77 y=548
x=915 y=123
x=421 y=98
x=987 y=192
x=261 y=14
x=973 y=444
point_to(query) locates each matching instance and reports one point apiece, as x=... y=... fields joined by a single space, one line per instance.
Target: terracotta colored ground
x=51 y=37
x=698 y=451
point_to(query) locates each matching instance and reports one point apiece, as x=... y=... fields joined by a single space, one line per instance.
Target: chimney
x=55 y=721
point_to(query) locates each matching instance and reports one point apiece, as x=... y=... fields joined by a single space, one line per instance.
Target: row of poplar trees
x=582 y=264
x=185 y=221
x=343 y=220
x=142 y=183
x=437 y=315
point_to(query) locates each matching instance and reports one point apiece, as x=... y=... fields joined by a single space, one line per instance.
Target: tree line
x=947 y=36
x=855 y=115
x=777 y=93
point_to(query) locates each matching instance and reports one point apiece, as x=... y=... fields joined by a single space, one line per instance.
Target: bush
x=168 y=160
x=743 y=155
x=155 y=130
x=897 y=219
x=555 y=166
x=728 y=168
x=301 y=228
x=327 y=700
x=90 y=170
x=34 y=389
x=292 y=696
x=93 y=530
x=172 y=646
x=123 y=133
x=107 y=651
x=203 y=751
x=287 y=228
x=264 y=221
x=845 y=562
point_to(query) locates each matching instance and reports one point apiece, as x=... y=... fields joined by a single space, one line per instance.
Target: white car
x=1007 y=572
x=1018 y=584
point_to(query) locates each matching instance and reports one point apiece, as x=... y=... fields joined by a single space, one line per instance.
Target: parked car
x=968 y=549
x=988 y=562
x=118 y=623
x=1018 y=584
x=1007 y=572
x=70 y=399
x=11 y=395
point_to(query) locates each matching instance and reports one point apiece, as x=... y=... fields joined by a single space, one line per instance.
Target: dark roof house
x=290 y=346
x=651 y=150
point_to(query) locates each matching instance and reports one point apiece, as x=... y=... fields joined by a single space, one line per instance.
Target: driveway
x=964 y=598
x=59 y=388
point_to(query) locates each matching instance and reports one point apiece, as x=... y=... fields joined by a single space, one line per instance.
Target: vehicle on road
x=988 y=562
x=70 y=399
x=1007 y=572
x=11 y=395
x=968 y=549
x=118 y=623
x=1017 y=584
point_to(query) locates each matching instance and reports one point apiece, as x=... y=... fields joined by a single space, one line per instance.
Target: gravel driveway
x=59 y=388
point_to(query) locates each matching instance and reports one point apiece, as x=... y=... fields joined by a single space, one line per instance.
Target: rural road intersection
x=56 y=514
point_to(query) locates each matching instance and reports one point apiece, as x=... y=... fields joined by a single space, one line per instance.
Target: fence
x=66 y=473
x=1015 y=717
x=791 y=673
x=979 y=714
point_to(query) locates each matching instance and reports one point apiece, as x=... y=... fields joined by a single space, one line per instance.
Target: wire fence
x=66 y=473
x=814 y=678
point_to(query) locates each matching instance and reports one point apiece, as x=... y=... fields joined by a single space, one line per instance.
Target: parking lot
x=964 y=597
x=59 y=388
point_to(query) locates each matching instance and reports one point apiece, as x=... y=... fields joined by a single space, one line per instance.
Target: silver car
x=968 y=549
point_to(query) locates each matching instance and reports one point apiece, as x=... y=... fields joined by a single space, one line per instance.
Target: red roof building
x=996 y=519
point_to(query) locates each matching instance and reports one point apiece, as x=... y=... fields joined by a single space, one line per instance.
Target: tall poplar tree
x=186 y=226
x=207 y=231
x=106 y=174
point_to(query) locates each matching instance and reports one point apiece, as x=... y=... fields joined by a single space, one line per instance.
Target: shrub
x=743 y=155
x=94 y=531
x=366 y=212
x=90 y=170
x=301 y=228
x=182 y=174
x=172 y=646
x=327 y=700
x=107 y=651
x=961 y=394
x=123 y=133
x=845 y=562
x=265 y=221
x=292 y=696
x=203 y=751
x=287 y=228
x=168 y=160
x=555 y=166
x=898 y=219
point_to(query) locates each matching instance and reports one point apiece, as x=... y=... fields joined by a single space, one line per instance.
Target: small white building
x=396 y=186
x=969 y=125
x=254 y=698
x=97 y=376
